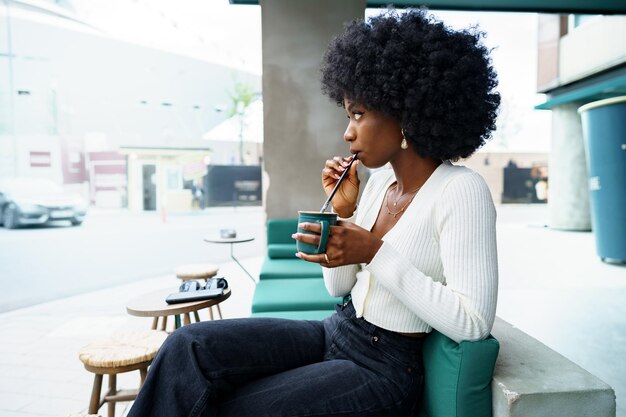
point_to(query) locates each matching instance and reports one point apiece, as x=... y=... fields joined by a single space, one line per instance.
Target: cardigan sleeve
x=464 y=307
x=340 y=280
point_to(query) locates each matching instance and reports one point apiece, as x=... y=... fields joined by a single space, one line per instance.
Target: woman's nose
x=349 y=135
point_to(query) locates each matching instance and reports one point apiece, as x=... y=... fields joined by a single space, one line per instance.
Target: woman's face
x=374 y=135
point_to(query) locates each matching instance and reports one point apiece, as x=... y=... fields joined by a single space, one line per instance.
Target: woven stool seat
x=118 y=354
x=123 y=349
x=196 y=271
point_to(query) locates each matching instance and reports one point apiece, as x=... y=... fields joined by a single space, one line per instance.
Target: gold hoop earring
x=404 y=144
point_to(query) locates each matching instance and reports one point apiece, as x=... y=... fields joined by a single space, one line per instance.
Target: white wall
x=592 y=47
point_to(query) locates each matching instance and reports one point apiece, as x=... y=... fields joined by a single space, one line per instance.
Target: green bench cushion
x=457 y=376
x=280 y=230
x=281 y=251
x=298 y=294
x=296 y=315
x=289 y=268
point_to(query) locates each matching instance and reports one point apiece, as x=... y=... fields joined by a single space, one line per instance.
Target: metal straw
x=343 y=175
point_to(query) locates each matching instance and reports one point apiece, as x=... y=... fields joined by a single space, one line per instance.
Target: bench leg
x=219 y=311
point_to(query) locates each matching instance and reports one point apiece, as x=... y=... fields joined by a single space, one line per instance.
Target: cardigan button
x=375 y=339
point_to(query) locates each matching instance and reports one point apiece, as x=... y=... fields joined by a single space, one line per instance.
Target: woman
x=418 y=253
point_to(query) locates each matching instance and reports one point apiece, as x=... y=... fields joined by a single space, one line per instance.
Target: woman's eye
x=357 y=115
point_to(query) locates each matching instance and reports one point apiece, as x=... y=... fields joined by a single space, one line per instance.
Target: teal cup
x=325 y=220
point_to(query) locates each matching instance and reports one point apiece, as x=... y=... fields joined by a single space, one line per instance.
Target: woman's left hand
x=348 y=244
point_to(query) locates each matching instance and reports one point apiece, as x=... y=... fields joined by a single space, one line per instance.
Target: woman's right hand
x=344 y=201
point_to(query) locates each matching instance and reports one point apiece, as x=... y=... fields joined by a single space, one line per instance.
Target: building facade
x=72 y=98
x=582 y=58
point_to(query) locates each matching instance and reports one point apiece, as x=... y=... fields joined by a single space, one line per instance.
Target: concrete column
x=568 y=201
x=302 y=128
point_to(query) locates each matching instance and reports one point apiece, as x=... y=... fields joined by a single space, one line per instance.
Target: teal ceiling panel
x=539 y=6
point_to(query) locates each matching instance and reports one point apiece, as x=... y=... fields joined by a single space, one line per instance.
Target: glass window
x=578 y=20
x=174 y=178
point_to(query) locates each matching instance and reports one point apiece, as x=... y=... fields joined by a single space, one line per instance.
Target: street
x=39 y=264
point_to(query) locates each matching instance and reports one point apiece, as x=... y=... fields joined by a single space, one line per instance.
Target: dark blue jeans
x=341 y=366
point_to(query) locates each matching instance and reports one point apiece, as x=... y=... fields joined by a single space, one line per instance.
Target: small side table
x=232 y=241
x=153 y=305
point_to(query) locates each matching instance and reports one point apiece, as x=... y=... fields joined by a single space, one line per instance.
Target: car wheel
x=76 y=222
x=9 y=218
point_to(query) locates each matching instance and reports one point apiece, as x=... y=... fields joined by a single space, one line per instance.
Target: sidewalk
x=40 y=374
x=552 y=286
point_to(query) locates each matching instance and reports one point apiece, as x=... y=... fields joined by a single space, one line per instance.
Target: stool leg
x=164 y=323
x=211 y=312
x=94 y=403
x=155 y=322
x=186 y=319
x=197 y=316
x=176 y=321
x=143 y=372
x=112 y=391
x=219 y=311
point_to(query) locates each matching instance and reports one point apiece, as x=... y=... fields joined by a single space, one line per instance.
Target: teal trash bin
x=604 y=131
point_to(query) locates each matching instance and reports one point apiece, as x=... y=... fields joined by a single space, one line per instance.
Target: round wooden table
x=153 y=304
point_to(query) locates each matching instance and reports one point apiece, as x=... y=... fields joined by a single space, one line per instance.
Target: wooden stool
x=115 y=355
x=199 y=271
x=196 y=271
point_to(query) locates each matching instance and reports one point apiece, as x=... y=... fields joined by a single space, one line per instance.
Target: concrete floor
x=552 y=286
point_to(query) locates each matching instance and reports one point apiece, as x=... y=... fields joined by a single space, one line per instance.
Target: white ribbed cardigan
x=437 y=267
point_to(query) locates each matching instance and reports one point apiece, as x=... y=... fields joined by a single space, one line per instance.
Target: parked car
x=25 y=201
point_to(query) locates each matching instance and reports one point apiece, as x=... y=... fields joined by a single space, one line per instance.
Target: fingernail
x=295 y=235
x=298 y=255
x=337 y=176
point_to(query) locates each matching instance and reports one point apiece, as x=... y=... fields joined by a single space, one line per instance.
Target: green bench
x=280 y=261
x=295 y=294
x=280 y=268
x=288 y=284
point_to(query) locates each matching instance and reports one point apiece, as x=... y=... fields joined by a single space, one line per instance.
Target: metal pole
x=239 y=263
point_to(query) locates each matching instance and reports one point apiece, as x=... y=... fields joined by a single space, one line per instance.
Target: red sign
x=40 y=159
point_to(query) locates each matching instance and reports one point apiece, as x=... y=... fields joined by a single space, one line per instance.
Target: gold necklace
x=414 y=192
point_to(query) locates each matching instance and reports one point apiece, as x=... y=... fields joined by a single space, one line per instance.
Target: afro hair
x=438 y=83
